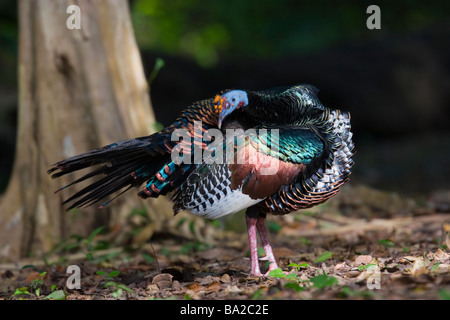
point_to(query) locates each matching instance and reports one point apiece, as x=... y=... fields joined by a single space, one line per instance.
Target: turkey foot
x=254 y=224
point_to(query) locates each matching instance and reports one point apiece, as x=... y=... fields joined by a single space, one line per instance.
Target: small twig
x=158 y=268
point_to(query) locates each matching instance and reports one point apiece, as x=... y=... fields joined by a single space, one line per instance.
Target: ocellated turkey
x=303 y=153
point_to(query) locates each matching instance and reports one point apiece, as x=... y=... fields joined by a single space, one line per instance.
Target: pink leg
x=251 y=228
x=260 y=225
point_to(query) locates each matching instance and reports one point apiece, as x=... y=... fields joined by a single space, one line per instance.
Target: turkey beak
x=221 y=118
x=226 y=110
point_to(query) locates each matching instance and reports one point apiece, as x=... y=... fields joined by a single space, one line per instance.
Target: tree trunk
x=79 y=89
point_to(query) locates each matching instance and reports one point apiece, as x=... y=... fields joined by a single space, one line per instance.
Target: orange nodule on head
x=219 y=103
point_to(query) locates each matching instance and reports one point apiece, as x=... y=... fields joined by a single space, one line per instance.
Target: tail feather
x=85 y=177
x=114 y=152
x=123 y=165
x=98 y=190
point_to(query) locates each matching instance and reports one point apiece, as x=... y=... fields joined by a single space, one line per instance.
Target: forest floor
x=364 y=244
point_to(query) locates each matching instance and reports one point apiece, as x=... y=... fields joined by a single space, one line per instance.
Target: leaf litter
x=351 y=247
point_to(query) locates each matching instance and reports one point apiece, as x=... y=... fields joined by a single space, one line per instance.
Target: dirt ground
x=365 y=244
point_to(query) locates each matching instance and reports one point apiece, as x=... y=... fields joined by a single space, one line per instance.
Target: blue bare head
x=228 y=102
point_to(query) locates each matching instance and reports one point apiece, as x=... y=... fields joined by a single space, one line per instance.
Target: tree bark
x=79 y=89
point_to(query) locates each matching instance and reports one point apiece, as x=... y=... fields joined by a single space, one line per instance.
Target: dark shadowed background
x=395 y=81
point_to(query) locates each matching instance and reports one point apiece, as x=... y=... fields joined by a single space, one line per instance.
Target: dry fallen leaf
x=443 y=268
x=353 y=273
x=232 y=289
x=32 y=276
x=446 y=233
x=214 y=286
x=441 y=255
x=339 y=266
x=407 y=259
x=162 y=277
x=152 y=288
x=163 y=280
x=225 y=278
x=369 y=273
x=363 y=259
x=195 y=287
x=207 y=280
x=419 y=267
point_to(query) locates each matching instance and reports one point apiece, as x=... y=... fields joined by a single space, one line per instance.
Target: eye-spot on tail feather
x=168 y=178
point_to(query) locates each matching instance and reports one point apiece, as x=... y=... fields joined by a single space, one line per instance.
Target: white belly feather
x=233 y=202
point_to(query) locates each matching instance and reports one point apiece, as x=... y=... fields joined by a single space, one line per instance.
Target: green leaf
x=435 y=266
x=159 y=63
x=117 y=293
x=119 y=288
x=261 y=252
x=57 y=295
x=94 y=233
x=113 y=274
x=324 y=257
x=294 y=285
x=23 y=290
x=323 y=281
x=110 y=284
x=157 y=126
x=257 y=294
x=29 y=266
x=180 y=222
x=386 y=242
x=71 y=246
x=124 y=287
x=291 y=276
x=274 y=227
x=298 y=266
x=192 y=226
x=201 y=246
x=444 y=294
x=305 y=241
x=140 y=211
x=366 y=267
x=347 y=292
x=187 y=247
x=165 y=251
x=304 y=265
x=215 y=223
x=102 y=273
x=148 y=258
x=277 y=273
